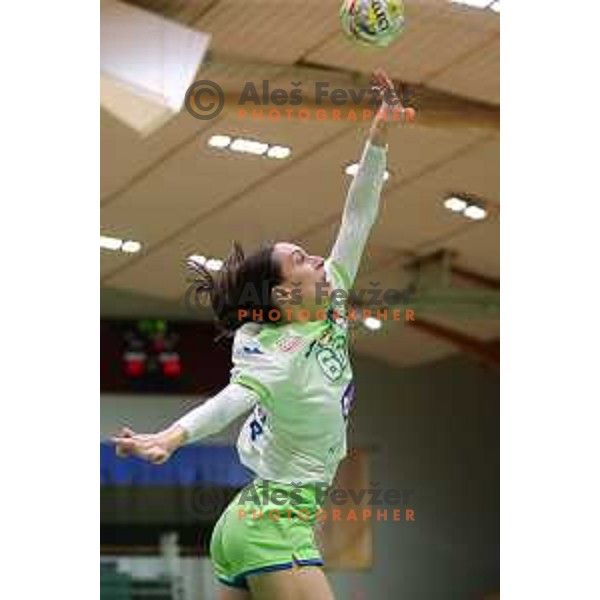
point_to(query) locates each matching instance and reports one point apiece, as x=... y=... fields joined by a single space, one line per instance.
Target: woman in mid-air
x=295 y=377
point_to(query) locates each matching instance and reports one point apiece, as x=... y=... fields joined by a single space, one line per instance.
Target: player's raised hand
x=384 y=87
x=391 y=108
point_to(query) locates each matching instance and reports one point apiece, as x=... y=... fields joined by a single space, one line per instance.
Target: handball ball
x=372 y=22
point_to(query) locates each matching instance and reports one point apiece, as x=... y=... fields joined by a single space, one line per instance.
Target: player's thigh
x=304 y=583
x=229 y=593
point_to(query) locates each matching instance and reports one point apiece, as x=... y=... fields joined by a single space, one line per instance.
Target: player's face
x=300 y=270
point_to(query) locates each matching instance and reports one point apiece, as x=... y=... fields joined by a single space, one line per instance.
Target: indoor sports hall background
x=185 y=174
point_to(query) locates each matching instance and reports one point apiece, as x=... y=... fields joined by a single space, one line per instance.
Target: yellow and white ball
x=372 y=22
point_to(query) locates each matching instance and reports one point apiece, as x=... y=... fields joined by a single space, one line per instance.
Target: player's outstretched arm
x=362 y=202
x=210 y=417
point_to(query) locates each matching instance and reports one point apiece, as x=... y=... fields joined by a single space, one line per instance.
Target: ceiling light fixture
x=279 y=152
x=198 y=259
x=470 y=206
x=114 y=244
x=475 y=212
x=219 y=141
x=248 y=146
x=212 y=264
x=473 y=3
x=131 y=247
x=494 y=5
x=455 y=204
x=372 y=323
x=110 y=243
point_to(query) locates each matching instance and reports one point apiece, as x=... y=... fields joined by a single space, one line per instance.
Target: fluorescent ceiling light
x=249 y=146
x=131 y=247
x=219 y=141
x=455 y=204
x=214 y=264
x=245 y=146
x=279 y=152
x=372 y=323
x=198 y=259
x=110 y=243
x=473 y=3
x=352 y=169
x=475 y=212
x=471 y=208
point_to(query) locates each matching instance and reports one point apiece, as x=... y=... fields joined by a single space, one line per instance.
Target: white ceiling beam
x=146 y=65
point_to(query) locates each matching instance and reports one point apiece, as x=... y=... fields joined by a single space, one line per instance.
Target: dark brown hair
x=242 y=283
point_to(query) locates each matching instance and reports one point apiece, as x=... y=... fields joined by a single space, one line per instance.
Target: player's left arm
x=362 y=202
x=206 y=419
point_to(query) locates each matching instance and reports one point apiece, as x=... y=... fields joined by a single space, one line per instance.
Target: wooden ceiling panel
x=478 y=247
x=178 y=197
x=477 y=75
x=400 y=345
x=414 y=150
x=161 y=274
x=186 y=12
x=124 y=154
x=312 y=192
x=110 y=260
x=269 y=30
x=197 y=179
x=414 y=217
x=475 y=171
x=484 y=329
x=295 y=203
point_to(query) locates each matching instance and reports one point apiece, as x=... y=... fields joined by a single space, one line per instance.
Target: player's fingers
x=121 y=452
x=387 y=80
x=126 y=432
x=158 y=456
x=122 y=446
x=377 y=78
x=377 y=74
x=383 y=79
x=127 y=445
x=375 y=85
x=386 y=89
x=143 y=448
